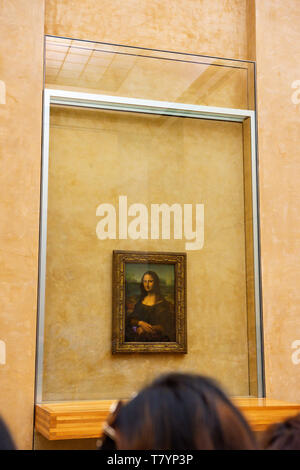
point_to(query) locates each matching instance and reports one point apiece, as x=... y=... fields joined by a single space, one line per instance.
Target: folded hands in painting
x=144 y=327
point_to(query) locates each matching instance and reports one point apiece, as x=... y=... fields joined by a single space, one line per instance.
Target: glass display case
x=128 y=131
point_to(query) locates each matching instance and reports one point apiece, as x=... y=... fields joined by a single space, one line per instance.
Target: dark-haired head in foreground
x=181 y=412
x=6 y=441
x=283 y=436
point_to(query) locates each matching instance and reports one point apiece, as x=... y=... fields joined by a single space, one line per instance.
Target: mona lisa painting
x=149 y=302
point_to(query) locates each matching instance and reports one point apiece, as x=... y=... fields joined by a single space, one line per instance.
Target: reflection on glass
x=97 y=156
x=149 y=74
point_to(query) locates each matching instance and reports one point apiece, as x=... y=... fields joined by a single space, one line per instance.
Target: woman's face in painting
x=148 y=282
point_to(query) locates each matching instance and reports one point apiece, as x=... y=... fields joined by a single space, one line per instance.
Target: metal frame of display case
x=105 y=102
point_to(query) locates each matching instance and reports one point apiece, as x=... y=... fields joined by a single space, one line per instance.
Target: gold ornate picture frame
x=149 y=302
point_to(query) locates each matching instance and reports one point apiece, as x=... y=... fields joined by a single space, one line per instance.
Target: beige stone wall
x=209 y=27
x=278 y=57
x=21 y=49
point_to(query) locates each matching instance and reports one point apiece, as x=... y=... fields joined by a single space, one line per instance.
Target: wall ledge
x=85 y=419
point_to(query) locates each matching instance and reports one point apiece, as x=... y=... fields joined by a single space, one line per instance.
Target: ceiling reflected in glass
x=134 y=72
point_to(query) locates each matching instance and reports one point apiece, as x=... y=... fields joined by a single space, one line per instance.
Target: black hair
x=283 y=436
